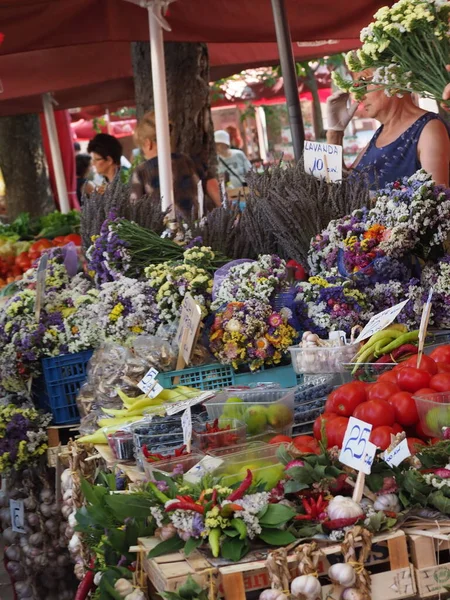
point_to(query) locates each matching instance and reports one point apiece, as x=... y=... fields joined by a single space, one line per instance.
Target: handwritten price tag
x=183 y=404
x=16 y=508
x=324 y=161
x=371 y=450
x=191 y=316
x=186 y=424
x=398 y=454
x=381 y=321
x=149 y=385
x=208 y=464
x=354 y=447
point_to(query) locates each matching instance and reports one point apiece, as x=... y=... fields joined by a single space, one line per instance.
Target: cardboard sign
x=354 y=447
x=398 y=454
x=324 y=161
x=205 y=466
x=186 y=425
x=40 y=285
x=426 y=312
x=149 y=385
x=17 y=516
x=381 y=321
x=184 y=404
x=191 y=316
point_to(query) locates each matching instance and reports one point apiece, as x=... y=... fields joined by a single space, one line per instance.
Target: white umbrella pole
x=55 y=151
x=260 y=119
x=161 y=110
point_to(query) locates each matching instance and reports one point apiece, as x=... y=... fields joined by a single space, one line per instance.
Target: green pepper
x=160 y=496
x=406 y=338
x=214 y=541
x=240 y=527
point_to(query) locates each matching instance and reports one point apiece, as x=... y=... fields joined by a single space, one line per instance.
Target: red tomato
x=376 y=412
x=434 y=441
x=426 y=363
x=414 y=444
x=305 y=440
x=305 y=449
x=41 y=245
x=382 y=390
x=16 y=271
x=410 y=379
x=425 y=391
x=388 y=376
x=381 y=436
x=443 y=367
x=441 y=354
x=405 y=408
x=59 y=241
x=346 y=398
x=278 y=439
x=397 y=428
x=317 y=429
x=420 y=432
x=440 y=382
x=336 y=429
x=73 y=237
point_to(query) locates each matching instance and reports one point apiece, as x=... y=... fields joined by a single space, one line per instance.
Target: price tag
x=371 y=450
x=398 y=454
x=205 y=466
x=324 y=161
x=186 y=424
x=183 y=404
x=191 y=316
x=17 y=516
x=381 y=321
x=354 y=447
x=149 y=385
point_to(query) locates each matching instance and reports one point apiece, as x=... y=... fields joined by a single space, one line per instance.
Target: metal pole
x=161 y=112
x=289 y=76
x=55 y=151
x=260 y=124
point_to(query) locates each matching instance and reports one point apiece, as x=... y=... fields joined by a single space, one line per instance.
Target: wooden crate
x=390 y=556
x=431 y=559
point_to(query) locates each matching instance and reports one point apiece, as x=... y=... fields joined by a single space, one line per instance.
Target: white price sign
x=355 y=446
x=205 y=466
x=191 y=316
x=186 y=424
x=398 y=454
x=17 y=516
x=324 y=161
x=149 y=385
x=381 y=321
x=183 y=404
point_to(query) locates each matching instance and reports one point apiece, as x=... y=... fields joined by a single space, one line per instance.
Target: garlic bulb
x=306 y=585
x=352 y=594
x=136 y=595
x=98 y=577
x=342 y=574
x=272 y=595
x=123 y=587
x=387 y=502
x=343 y=508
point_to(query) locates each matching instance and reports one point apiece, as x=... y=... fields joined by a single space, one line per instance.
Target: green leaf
x=94 y=494
x=319 y=472
x=307 y=530
x=301 y=474
x=439 y=501
x=231 y=532
x=171 y=545
x=276 y=537
x=332 y=471
x=173 y=489
x=190 y=589
x=374 y=482
x=277 y=514
x=234 y=549
x=125 y=506
x=282 y=454
x=191 y=545
x=291 y=487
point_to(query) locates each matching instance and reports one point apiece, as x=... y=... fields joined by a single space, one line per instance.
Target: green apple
x=437 y=418
x=233 y=409
x=279 y=416
x=255 y=419
x=270 y=476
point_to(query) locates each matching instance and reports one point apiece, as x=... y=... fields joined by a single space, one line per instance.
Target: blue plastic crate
x=217 y=376
x=58 y=387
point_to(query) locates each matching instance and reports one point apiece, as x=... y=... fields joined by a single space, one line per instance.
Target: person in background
x=76 y=148
x=83 y=168
x=232 y=163
x=409 y=138
x=145 y=177
x=236 y=142
x=106 y=152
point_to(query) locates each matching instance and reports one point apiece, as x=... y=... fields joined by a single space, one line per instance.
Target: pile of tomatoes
x=13 y=267
x=388 y=404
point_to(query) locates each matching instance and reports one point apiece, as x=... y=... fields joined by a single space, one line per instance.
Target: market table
x=131 y=471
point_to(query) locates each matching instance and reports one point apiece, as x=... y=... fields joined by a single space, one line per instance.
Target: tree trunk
x=187 y=76
x=319 y=131
x=23 y=165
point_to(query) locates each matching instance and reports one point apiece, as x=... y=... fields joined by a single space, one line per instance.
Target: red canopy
x=101 y=73
x=38 y=24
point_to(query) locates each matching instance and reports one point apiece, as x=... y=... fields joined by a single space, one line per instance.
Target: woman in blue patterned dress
x=409 y=138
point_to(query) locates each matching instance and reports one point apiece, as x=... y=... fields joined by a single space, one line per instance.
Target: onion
x=41 y=560
x=10 y=536
x=66 y=511
x=46 y=510
x=67 y=495
x=66 y=480
x=63 y=560
x=30 y=503
x=4 y=499
x=55 y=509
x=46 y=496
x=13 y=552
x=36 y=539
x=23 y=589
x=75 y=543
x=15 y=569
x=72 y=520
x=33 y=519
x=51 y=526
x=5 y=517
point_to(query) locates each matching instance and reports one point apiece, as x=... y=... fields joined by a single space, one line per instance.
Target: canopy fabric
x=38 y=24
x=101 y=73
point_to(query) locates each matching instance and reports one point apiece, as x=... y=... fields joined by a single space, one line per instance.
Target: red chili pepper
x=86 y=584
x=214 y=498
x=239 y=493
x=145 y=451
x=303 y=518
x=340 y=523
x=390 y=513
x=185 y=499
x=307 y=506
x=185 y=506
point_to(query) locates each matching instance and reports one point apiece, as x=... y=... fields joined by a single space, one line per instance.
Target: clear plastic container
x=368 y=372
x=322 y=359
x=252 y=445
x=262 y=462
x=121 y=444
x=233 y=432
x=181 y=464
x=264 y=411
x=434 y=412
